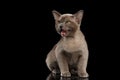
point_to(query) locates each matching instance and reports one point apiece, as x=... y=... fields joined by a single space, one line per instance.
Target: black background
x=36 y=35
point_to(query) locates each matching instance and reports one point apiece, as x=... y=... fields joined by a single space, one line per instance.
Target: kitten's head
x=67 y=24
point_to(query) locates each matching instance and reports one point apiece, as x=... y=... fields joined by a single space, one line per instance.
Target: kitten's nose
x=61 y=27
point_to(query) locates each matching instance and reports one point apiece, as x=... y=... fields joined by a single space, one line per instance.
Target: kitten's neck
x=77 y=34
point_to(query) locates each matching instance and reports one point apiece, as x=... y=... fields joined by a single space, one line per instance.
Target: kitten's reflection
x=57 y=77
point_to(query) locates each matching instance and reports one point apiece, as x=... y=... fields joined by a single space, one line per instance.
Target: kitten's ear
x=79 y=16
x=56 y=14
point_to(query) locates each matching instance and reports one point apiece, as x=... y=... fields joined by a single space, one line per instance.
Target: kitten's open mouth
x=63 y=32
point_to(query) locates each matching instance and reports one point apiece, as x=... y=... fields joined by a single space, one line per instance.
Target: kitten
x=70 y=54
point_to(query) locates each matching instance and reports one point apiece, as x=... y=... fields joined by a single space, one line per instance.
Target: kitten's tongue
x=63 y=33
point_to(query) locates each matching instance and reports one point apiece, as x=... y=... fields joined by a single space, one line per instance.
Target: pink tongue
x=63 y=33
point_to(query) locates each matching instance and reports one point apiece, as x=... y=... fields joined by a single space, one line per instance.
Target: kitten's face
x=67 y=24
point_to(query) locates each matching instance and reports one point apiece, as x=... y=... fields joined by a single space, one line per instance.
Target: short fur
x=70 y=54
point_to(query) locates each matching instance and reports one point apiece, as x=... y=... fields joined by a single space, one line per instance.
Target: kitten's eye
x=67 y=21
x=58 y=21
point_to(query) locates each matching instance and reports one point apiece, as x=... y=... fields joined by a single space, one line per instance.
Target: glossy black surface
x=57 y=77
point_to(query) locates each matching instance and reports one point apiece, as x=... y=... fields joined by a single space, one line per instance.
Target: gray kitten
x=70 y=54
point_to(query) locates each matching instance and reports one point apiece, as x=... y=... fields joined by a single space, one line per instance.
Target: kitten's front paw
x=55 y=71
x=66 y=74
x=85 y=75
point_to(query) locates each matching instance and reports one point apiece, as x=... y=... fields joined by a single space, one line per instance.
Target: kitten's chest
x=72 y=58
x=71 y=45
